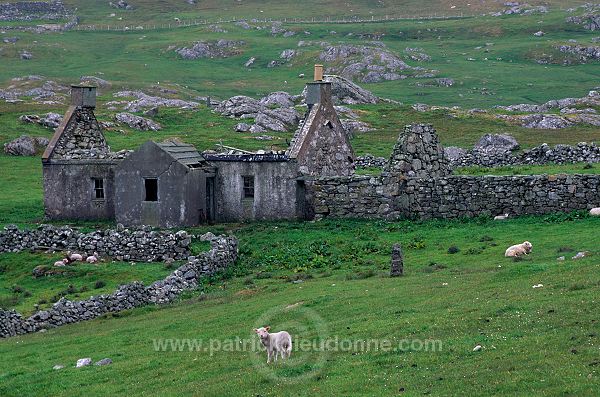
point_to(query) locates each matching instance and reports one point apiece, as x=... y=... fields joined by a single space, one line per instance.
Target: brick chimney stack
x=83 y=96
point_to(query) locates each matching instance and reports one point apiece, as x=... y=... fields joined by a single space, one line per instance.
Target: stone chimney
x=317 y=91
x=83 y=96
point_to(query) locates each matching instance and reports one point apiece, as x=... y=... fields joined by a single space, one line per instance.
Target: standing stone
x=397 y=265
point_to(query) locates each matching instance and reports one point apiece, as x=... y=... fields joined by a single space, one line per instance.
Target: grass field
x=328 y=279
x=541 y=340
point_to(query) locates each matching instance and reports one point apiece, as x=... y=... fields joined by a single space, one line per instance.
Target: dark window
x=248 y=187
x=98 y=188
x=151 y=185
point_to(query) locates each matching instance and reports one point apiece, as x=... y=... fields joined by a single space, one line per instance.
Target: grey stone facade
x=83 y=179
x=223 y=253
x=180 y=175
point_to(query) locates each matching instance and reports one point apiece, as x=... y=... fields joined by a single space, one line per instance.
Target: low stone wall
x=392 y=197
x=137 y=244
x=223 y=253
x=544 y=154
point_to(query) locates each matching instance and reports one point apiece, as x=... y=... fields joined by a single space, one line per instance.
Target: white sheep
x=74 y=257
x=595 y=211
x=501 y=217
x=62 y=262
x=92 y=258
x=519 y=249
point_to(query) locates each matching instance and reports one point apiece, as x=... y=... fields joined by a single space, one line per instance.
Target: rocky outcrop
x=137 y=122
x=48 y=120
x=265 y=118
x=32 y=10
x=211 y=49
x=26 y=145
x=496 y=142
x=516 y=8
x=584 y=53
x=223 y=253
x=590 y=19
x=365 y=64
x=121 y=4
x=143 y=101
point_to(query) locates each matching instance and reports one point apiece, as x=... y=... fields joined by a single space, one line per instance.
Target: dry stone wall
x=135 y=244
x=223 y=253
x=389 y=197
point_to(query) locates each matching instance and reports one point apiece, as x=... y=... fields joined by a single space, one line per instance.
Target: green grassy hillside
x=540 y=341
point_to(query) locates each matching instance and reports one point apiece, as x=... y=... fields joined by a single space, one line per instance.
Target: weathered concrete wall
x=275 y=187
x=390 y=197
x=69 y=189
x=181 y=190
x=223 y=253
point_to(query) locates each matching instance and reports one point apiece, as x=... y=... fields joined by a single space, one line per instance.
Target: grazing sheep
x=595 y=211
x=278 y=342
x=519 y=249
x=501 y=217
x=62 y=262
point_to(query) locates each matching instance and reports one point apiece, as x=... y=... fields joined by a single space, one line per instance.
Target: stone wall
x=539 y=155
x=136 y=244
x=392 y=197
x=418 y=153
x=222 y=254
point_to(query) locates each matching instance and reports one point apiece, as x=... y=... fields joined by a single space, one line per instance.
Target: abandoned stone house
x=171 y=184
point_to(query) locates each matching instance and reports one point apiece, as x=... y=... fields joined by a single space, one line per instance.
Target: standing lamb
x=519 y=249
x=278 y=342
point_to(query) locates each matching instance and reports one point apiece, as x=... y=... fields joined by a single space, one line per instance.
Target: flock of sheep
x=74 y=257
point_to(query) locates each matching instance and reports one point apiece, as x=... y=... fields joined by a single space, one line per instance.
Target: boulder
x=346 y=92
x=83 y=362
x=497 y=142
x=211 y=49
x=278 y=99
x=242 y=127
x=26 y=146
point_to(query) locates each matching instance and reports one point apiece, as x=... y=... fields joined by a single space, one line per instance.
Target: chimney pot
x=84 y=96
x=318 y=72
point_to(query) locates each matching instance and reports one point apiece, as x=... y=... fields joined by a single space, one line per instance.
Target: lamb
x=501 y=217
x=74 y=257
x=519 y=249
x=595 y=211
x=92 y=258
x=62 y=262
x=277 y=342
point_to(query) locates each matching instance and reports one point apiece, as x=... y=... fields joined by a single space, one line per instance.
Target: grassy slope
x=540 y=340
x=138 y=59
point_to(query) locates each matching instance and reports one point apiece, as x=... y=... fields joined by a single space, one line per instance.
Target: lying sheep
x=519 y=249
x=74 y=257
x=501 y=217
x=595 y=211
x=62 y=262
x=92 y=258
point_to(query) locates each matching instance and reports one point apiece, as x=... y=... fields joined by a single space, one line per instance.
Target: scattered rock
x=95 y=81
x=121 y=4
x=539 y=34
x=242 y=127
x=26 y=146
x=211 y=49
x=57 y=367
x=104 y=361
x=137 y=122
x=278 y=99
x=83 y=362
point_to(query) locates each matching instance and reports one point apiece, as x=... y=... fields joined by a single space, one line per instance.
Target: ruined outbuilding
x=170 y=184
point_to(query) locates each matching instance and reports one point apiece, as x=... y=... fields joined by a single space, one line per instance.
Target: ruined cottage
x=171 y=184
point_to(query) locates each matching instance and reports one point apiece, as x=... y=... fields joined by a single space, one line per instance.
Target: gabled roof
x=184 y=153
